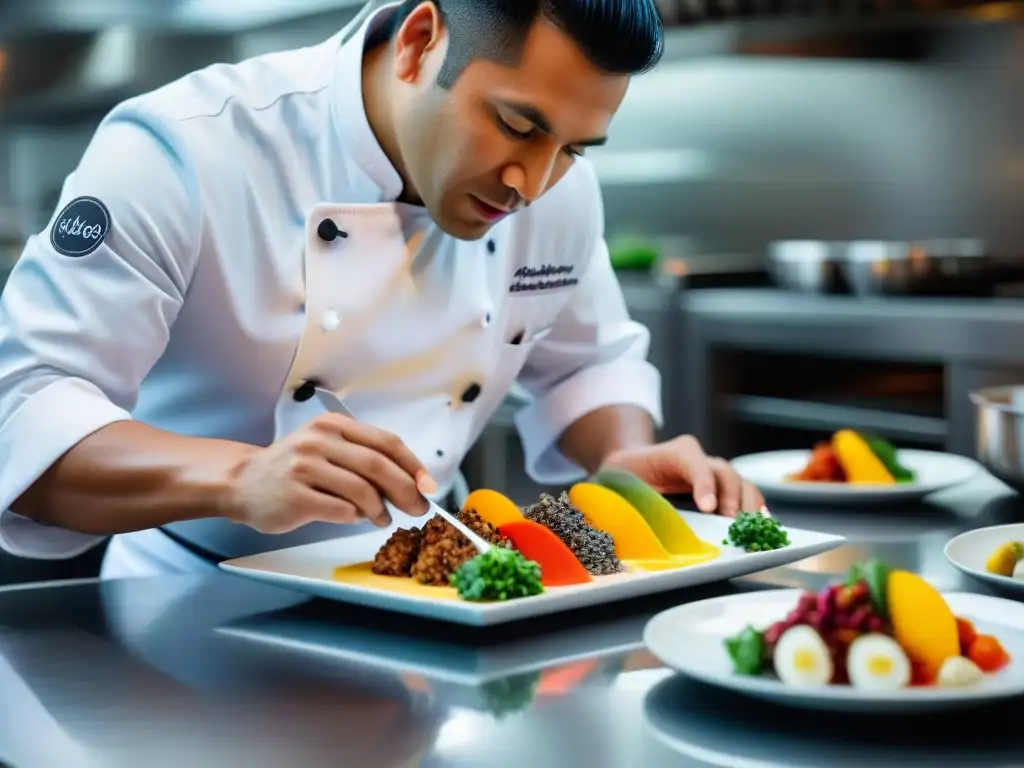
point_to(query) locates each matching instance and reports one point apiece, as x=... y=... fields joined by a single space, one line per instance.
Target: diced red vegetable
x=920 y=674
x=988 y=653
x=967 y=634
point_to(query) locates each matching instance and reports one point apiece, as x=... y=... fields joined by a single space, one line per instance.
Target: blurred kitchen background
x=816 y=207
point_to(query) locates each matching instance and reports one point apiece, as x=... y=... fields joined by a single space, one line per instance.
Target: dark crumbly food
x=594 y=549
x=398 y=554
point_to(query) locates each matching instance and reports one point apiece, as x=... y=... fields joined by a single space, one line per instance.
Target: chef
x=400 y=221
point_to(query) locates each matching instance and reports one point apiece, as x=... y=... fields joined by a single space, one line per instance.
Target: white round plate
x=969 y=551
x=935 y=472
x=722 y=731
x=691 y=640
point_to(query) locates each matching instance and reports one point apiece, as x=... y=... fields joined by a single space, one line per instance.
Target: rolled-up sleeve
x=81 y=326
x=595 y=356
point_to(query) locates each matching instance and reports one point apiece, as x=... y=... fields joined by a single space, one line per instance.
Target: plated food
x=854 y=469
x=878 y=630
x=341 y=569
x=612 y=525
x=992 y=555
x=856 y=458
x=1007 y=560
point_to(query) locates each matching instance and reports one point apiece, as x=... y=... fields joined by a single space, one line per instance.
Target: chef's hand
x=681 y=466
x=335 y=469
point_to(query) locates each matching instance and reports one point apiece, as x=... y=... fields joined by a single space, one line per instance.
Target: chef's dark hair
x=620 y=37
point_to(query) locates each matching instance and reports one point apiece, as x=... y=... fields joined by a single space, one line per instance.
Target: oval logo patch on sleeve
x=81 y=227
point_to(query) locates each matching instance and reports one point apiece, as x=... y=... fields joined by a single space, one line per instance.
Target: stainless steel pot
x=958 y=267
x=811 y=266
x=951 y=267
x=999 y=432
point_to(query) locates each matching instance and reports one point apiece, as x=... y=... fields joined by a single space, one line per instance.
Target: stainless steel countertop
x=223 y=672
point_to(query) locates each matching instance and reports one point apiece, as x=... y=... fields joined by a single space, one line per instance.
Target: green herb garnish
x=747 y=651
x=497 y=574
x=875 y=574
x=886 y=453
x=756 y=532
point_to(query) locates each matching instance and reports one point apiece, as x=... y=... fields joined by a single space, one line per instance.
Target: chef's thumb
x=425 y=483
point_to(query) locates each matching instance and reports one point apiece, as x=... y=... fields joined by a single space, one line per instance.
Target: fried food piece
x=433 y=553
x=399 y=552
x=444 y=549
x=483 y=529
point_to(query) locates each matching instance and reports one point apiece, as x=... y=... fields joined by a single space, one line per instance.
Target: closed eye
x=527 y=135
x=520 y=135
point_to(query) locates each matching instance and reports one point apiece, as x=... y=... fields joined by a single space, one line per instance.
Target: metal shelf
x=800 y=414
x=868 y=29
x=851 y=14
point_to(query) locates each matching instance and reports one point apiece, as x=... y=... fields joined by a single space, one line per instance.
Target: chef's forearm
x=592 y=438
x=130 y=477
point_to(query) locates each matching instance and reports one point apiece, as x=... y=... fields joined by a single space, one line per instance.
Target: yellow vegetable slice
x=1005 y=558
x=672 y=531
x=493 y=507
x=922 y=622
x=607 y=511
x=859 y=462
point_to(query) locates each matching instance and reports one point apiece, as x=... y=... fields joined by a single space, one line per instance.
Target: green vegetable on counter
x=876 y=574
x=747 y=651
x=886 y=453
x=629 y=253
x=756 y=532
x=497 y=574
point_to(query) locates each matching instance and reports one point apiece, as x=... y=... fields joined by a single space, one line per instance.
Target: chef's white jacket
x=232 y=237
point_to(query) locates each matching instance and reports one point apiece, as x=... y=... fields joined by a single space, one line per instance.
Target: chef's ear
x=417 y=37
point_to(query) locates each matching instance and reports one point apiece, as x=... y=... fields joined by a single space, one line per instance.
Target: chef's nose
x=531 y=179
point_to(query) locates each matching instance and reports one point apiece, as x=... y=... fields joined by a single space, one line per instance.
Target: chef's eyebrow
x=535 y=116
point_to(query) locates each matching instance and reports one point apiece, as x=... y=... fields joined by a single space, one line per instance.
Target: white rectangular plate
x=310 y=569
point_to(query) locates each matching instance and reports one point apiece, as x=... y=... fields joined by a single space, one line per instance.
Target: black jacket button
x=328 y=230
x=491 y=246
x=305 y=391
x=472 y=393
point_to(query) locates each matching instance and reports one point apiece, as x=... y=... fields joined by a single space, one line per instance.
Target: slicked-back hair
x=620 y=37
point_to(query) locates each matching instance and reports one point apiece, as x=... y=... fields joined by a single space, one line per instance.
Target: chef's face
x=501 y=136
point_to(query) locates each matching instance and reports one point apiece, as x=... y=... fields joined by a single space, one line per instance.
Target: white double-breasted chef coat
x=231 y=239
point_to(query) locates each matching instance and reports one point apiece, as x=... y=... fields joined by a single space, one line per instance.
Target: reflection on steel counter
x=228 y=673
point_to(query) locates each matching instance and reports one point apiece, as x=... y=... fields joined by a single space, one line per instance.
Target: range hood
x=19 y=18
x=908 y=30
x=55 y=75
x=61 y=58
x=702 y=12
